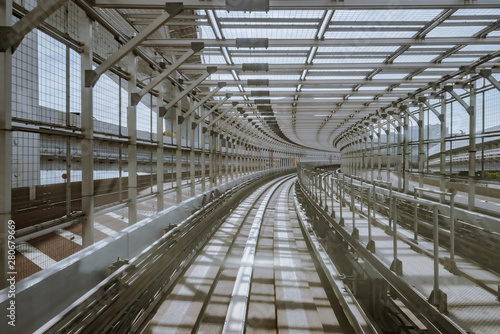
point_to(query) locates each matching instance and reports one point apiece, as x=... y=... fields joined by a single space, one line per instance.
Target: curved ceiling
x=319 y=67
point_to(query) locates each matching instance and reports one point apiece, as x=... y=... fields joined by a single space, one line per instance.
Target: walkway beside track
x=470 y=306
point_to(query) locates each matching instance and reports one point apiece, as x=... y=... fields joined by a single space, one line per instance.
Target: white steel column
x=472 y=147
x=191 y=152
x=233 y=141
x=211 y=156
x=132 y=144
x=220 y=155
x=442 y=156
x=178 y=154
x=159 y=151
x=5 y=142
x=399 y=167
x=85 y=29
x=379 y=170
x=388 y=150
x=203 y=158
x=421 y=154
x=372 y=154
x=406 y=161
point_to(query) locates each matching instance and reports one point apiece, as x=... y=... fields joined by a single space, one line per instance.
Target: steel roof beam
x=208 y=112
x=330 y=42
x=188 y=90
x=333 y=66
x=171 y=9
x=311 y=4
x=220 y=85
x=136 y=97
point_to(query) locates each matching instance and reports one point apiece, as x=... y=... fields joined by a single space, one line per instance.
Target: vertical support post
x=203 y=160
x=436 y=297
x=472 y=147
x=379 y=169
x=341 y=198
x=85 y=28
x=421 y=154
x=192 y=171
x=221 y=158
x=211 y=155
x=5 y=143
x=371 y=244
x=365 y=155
x=372 y=155
x=132 y=145
x=415 y=217
x=406 y=162
x=442 y=156
x=452 y=227
x=232 y=159
x=68 y=140
x=355 y=232
x=388 y=150
x=159 y=152
x=399 y=167
x=178 y=153
x=397 y=265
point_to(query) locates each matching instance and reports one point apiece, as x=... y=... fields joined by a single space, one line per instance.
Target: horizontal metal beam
x=322 y=83
x=334 y=66
x=310 y=4
x=336 y=93
x=337 y=42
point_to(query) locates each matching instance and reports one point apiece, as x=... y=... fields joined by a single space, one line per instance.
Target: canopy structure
x=320 y=68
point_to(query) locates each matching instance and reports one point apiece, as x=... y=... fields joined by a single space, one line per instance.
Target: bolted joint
x=180 y=119
x=163 y=111
x=197 y=46
x=211 y=69
x=174 y=8
x=221 y=84
x=194 y=125
x=135 y=98
x=485 y=72
x=91 y=78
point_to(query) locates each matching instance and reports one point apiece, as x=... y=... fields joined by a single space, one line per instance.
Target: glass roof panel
x=209 y=59
x=270 y=77
x=390 y=76
x=355 y=49
x=348 y=60
x=385 y=15
x=458 y=59
x=472 y=12
x=271 y=33
x=494 y=33
x=340 y=77
x=489 y=47
x=363 y=35
x=269 y=60
x=413 y=59
x=303 y=14
x=455 y=31
x=222 y=76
